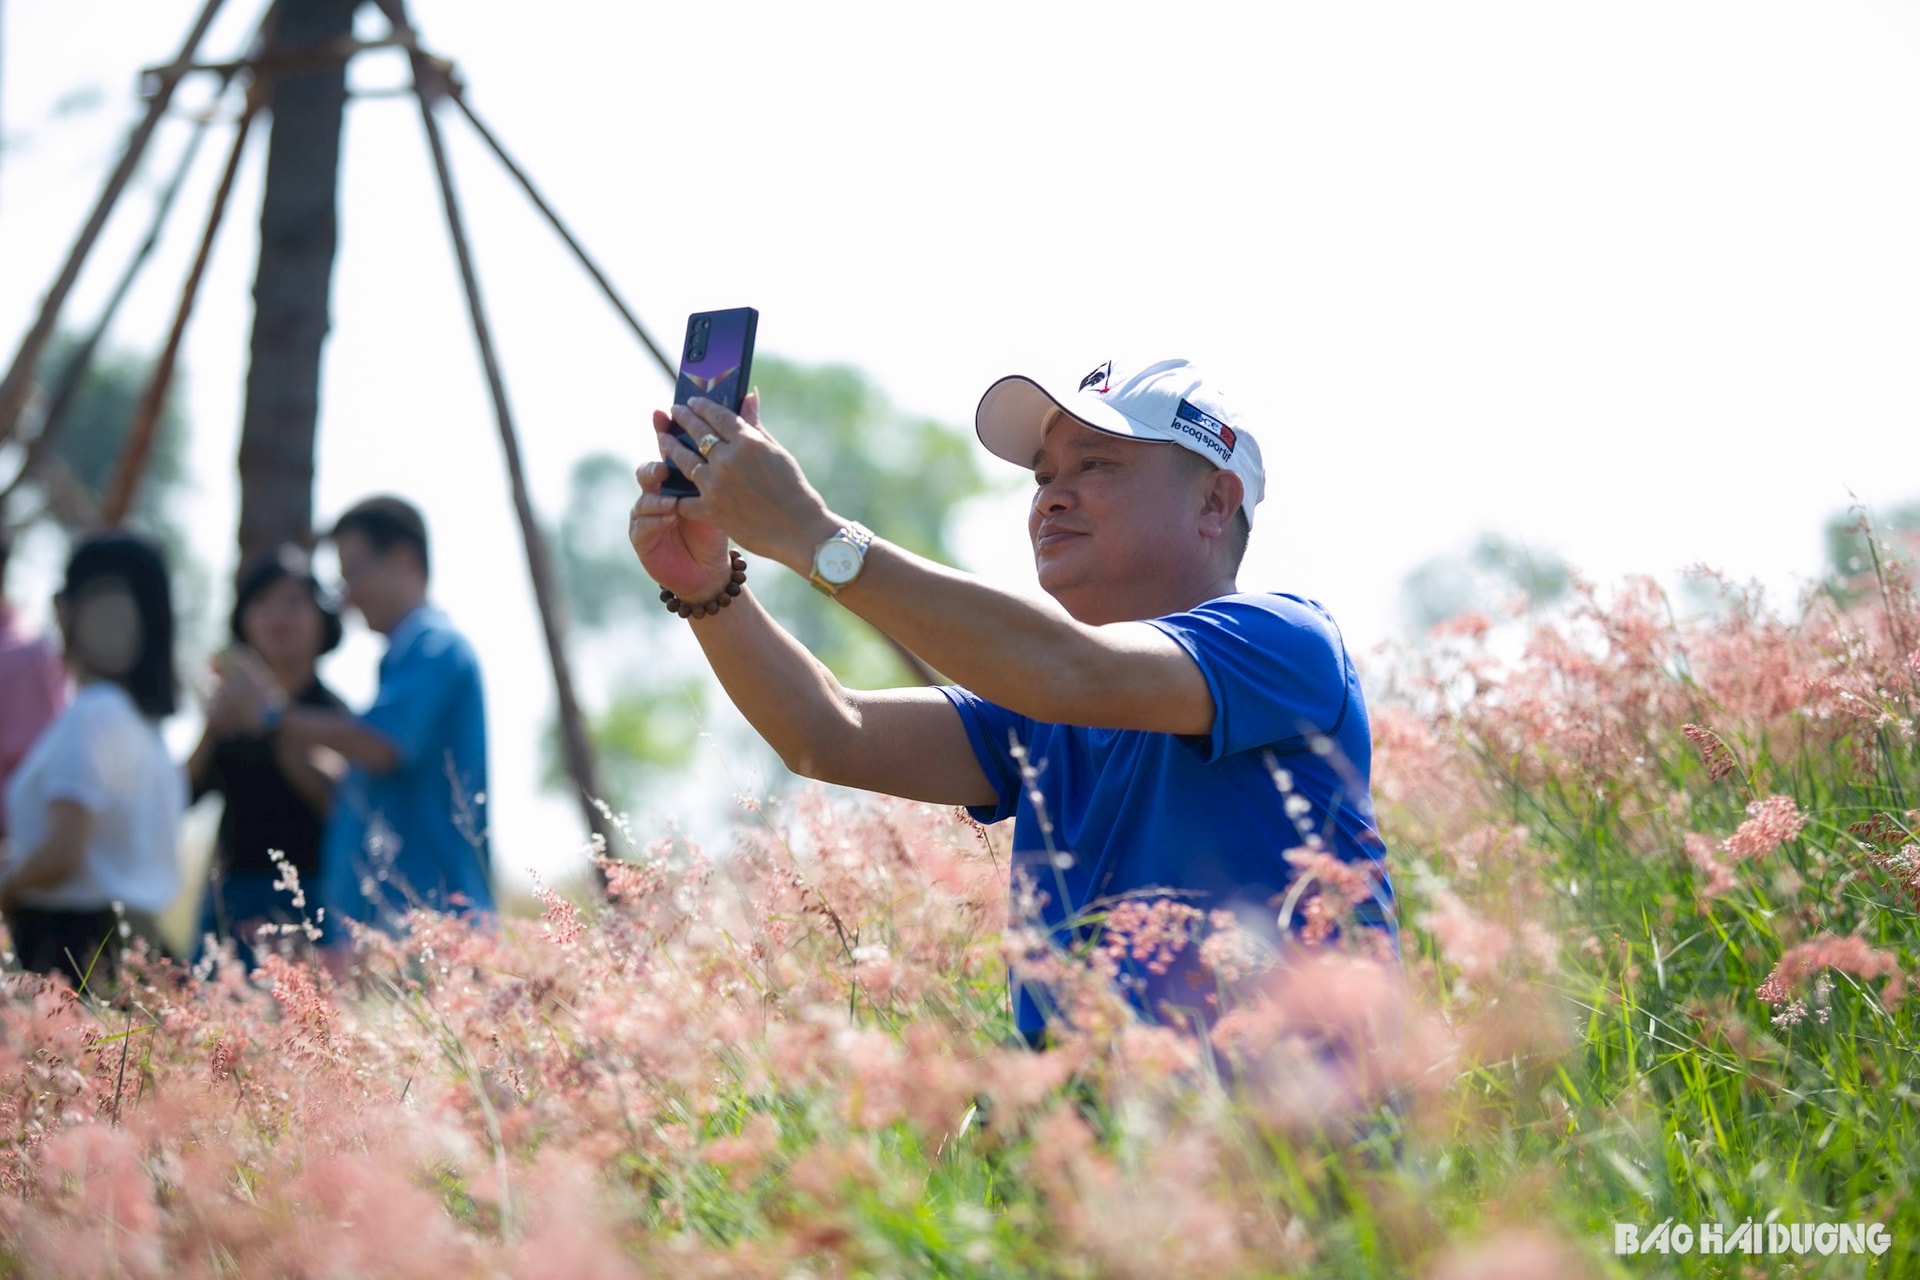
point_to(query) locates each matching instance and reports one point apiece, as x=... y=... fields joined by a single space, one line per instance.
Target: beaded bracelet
x=735 y=581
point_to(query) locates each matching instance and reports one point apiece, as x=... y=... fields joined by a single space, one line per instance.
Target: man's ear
x=1223 y=495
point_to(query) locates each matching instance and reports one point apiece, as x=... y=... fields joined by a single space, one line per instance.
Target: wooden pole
x=452 y=88
x=19 y=380
x=925 y=674
x=137 y=448
x=73 y=374
x=660 y=357
x=428 y=85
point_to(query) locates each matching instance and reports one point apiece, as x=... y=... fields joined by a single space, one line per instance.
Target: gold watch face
x=837 y=562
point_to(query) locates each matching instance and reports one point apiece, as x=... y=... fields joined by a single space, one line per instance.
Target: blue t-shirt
x=1202 y=816
x=416 y=836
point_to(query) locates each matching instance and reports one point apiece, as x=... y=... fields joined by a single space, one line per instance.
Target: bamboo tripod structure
x=433 y=82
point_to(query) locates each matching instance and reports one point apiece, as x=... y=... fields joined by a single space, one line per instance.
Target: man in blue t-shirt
x=1151 y=728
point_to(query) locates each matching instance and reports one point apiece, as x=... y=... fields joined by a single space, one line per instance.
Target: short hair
x=386 y=522
x=128 y=563
x=285 y=561
x=1238 y=536
x=1242 y=527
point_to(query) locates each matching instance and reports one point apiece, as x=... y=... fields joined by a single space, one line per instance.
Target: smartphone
x=716 y=362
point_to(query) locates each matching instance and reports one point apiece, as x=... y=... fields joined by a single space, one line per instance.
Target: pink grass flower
x=226 y=1053
x=1474 y=945
x=96 y=1214
x=1903 y=864
x=1329 y=1035
x=1770 y=823
x=1514 y=1253
x=631 y=882
x=574 y=1231
x=1849 y=954
x=1232 y=952
x=1470 y=625
x=559 y=918
x=1152 y=932
x=305 y=1008
x=1714 y=752
x=1329 y=889
x=1155 y=1053
x=1716 y=876
x=743 y=1155
x=366 y=1216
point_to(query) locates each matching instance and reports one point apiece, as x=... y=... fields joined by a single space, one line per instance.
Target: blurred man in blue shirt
x=409 y=822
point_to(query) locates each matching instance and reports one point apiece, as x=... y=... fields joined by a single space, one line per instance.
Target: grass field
x=1658 y=883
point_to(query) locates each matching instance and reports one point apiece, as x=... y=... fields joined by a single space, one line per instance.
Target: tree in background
x=305 y=97
x=1860 y=546
x=648 y=725
x=87 y=445
x=902 y=475
x=1495 y=572
x=299 y=230
x=64 y=491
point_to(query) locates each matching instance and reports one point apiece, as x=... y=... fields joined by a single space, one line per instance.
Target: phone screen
x=716 y=361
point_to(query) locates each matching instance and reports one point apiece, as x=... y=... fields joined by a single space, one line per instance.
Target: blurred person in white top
x=94 y=809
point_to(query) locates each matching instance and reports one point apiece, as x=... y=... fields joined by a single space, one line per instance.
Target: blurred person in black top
x=277 y=795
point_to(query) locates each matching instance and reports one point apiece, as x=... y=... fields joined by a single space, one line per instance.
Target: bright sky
x=1636 y=283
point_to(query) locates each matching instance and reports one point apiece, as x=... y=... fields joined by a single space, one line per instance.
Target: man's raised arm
x=903 y=742
x=1028 y=655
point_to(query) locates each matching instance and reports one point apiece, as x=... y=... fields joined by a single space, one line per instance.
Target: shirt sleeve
x=90 y=760
x=415 y=692
x=991 y=731
x=1275 y=664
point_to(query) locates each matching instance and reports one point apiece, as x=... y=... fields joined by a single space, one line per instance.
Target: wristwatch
x=270 y=718
x=839 y=559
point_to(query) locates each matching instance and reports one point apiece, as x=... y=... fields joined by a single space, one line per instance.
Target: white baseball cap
x=1166 y=400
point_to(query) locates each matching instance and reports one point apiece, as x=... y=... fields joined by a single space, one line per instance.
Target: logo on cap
x=1103 y=375
x=1216 y=435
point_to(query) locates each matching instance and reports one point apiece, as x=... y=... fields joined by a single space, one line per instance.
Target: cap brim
x=1011 y=418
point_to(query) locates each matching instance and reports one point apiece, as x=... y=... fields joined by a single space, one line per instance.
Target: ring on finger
x=706 y=443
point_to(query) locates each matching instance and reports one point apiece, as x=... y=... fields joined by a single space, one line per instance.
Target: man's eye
x=1042 y=480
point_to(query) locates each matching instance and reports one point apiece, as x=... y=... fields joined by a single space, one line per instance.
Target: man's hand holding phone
x=716 y=362
x=687 y=556
x=721 y=475
x=748 y=485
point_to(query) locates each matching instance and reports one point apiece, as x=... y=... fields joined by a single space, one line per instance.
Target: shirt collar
x=423 y=615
